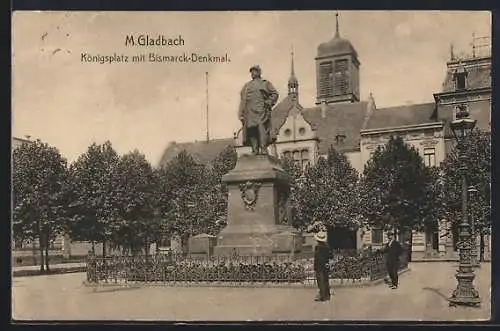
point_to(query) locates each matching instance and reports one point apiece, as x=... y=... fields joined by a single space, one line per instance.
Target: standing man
x=321 y=257
x=393 y=251
x=258 y=96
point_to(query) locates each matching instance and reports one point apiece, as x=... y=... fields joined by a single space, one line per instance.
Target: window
x=430 y=157
x=288 y=132
x=299 y=157
x=18 y=243
x=325 y=79
x=302 y=131
x=341 y=77
x=304 y=158
x=460 y=81
x=296 y=158
x=377 y=236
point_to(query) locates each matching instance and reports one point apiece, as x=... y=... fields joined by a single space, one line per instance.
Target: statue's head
x=255 y=71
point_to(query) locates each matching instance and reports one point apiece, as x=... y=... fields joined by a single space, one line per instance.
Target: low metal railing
x=172 y=269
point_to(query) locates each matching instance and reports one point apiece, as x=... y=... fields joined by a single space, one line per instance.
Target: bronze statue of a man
x=258 y=96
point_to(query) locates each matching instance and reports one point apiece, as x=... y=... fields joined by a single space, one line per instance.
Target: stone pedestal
x=258 y=213
x=202 y=244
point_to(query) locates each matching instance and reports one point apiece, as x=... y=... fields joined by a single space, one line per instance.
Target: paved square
x=421 y=297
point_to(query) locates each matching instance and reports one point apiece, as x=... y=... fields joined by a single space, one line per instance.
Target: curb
x=56 y=271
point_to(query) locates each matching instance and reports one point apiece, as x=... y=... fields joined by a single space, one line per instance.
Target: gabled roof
x=340 y=119
x=281 y=110
x=203 y=152
x=401 y=116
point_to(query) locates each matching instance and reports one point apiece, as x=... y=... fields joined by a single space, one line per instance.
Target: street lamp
x=472 y=191
x=465 y=293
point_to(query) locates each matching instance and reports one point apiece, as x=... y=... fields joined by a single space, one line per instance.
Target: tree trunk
x=93 y=247
x=47 y=242
x=104 y=248
x=47 y=255
x=40 y=247
x=185 y=244
x=481 y=247
x=33 y=246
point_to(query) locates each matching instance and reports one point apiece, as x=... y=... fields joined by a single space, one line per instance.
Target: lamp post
x=465 y=293
x=473 y=219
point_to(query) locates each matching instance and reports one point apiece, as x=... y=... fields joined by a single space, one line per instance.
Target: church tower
x=293 y=83
x=337 y=70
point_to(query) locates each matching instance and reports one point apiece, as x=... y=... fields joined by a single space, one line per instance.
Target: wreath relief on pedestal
x=249 y=194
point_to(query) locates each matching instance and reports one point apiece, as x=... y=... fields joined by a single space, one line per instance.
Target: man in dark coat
x=258 y=96
x=393 y=251
x=321 y=257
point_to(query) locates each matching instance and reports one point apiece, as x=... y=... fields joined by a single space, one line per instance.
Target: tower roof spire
x=337 y=33
x=293 y=83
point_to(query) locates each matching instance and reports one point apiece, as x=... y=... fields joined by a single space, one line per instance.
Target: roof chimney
x=324 y=107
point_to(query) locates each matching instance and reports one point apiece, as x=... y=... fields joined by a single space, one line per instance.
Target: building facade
x=356 y=127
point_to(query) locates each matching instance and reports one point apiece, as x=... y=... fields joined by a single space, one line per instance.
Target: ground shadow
x=436 y=291
x=96 y=290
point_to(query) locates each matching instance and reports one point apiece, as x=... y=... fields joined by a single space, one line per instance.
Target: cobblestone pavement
x=421 y=296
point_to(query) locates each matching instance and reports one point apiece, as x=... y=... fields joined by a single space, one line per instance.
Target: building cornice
x=433 y=125
x=462 y=93
x=292 y=141
x=469 y=60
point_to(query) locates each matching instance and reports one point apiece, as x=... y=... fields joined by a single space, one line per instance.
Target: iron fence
x=174 y=269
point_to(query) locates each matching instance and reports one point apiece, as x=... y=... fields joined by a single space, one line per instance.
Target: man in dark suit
x=393 y=251
x=321 y=257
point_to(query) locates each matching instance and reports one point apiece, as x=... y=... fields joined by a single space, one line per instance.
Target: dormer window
x=339 y=139
x=460 y=82
x=460 y=77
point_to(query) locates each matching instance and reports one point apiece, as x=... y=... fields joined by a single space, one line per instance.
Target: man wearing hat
x=258 y=96
x=321 y=257
x=393 y=251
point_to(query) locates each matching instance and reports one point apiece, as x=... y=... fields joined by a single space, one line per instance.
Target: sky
x=70 y=104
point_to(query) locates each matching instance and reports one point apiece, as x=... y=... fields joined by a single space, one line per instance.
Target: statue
x=258 y=96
